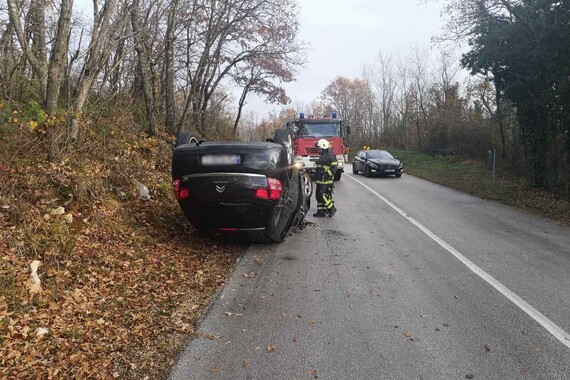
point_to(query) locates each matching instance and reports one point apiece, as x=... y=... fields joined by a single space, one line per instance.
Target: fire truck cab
x=306 y=131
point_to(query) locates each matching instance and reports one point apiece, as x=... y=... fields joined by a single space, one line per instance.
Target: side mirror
x=396 y=157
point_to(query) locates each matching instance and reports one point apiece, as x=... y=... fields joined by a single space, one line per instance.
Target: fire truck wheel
x=337 y=175
x=284 y=137
x=186 y=137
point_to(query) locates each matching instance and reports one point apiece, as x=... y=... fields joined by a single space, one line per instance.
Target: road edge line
x=550 y=326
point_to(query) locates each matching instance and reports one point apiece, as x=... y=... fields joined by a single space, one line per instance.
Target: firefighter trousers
x=324 y=198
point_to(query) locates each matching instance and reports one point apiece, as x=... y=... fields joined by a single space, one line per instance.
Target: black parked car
x=376 y=162
x=246 y=190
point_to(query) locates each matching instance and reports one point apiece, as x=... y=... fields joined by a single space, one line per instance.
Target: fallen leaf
x=469 y=376
x=408 y=334
x=215 y=369
x=271 y=348
x=245 y=364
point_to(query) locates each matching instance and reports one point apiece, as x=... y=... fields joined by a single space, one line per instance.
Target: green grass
x=472 y=177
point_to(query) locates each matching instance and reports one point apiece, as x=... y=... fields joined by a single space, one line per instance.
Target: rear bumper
x=226 y=201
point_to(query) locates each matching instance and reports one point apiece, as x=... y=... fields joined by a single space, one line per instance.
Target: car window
x=382 y=154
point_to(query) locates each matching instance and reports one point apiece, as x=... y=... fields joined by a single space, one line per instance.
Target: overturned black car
x=240 y=190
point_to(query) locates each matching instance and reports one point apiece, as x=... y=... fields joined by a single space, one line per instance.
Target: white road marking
x=552 y=328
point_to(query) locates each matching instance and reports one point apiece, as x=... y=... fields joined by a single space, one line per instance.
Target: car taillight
x=180 y=192
x=272 y=192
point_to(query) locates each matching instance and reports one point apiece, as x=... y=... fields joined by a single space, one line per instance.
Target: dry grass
x=123 y=280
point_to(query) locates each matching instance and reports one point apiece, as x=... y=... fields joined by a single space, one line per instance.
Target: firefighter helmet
x=323 y=144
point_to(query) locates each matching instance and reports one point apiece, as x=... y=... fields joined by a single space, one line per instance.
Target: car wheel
x=398 y=175
x=367 y=171
x=354 y=171
x=284 y=137
x=186 y=137
x=307 y=188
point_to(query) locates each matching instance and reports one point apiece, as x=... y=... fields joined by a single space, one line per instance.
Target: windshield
x=382 y=154
x=319 y=130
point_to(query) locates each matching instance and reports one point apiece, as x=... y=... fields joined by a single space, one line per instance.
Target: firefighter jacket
x=326 y=168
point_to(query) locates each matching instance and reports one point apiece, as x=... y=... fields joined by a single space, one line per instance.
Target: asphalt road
x=410 y=280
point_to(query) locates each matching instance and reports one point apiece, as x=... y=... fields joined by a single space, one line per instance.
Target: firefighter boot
x=320 y=214
x=331 y=212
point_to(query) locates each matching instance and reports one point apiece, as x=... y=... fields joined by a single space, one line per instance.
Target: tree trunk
x=144 y=65
x=170 y=103
x=58 y=55
x=240 y=107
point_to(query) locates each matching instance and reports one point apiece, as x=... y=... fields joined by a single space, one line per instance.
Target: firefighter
x=326 y=169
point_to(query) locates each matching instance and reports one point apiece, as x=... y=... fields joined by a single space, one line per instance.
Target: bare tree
x=385 y=85
x=223 y=35
x=49 y=74
x=108 y=25
x=419 y=61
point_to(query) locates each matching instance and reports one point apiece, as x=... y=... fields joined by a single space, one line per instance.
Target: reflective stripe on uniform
x=329 y=203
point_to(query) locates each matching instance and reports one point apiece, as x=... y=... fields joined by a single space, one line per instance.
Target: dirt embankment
x=121 y=280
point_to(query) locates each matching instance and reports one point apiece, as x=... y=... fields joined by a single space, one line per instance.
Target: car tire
x=367 y=171
x=354 y=171
x=398 y=175
x=284 y=137
x=186 y=137
x=307 y=188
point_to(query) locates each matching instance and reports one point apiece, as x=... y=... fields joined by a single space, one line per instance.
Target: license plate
x=221 y=160
x=389 y=170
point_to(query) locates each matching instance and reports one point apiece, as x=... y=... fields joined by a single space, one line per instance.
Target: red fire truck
x=302 y=134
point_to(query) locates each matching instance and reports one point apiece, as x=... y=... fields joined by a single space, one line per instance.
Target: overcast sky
x=343 y=35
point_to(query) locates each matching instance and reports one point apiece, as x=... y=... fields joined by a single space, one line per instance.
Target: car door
x=363 y=159
x=358 y=161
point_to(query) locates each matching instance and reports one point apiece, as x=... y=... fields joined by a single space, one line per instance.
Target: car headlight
x=299 y=165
